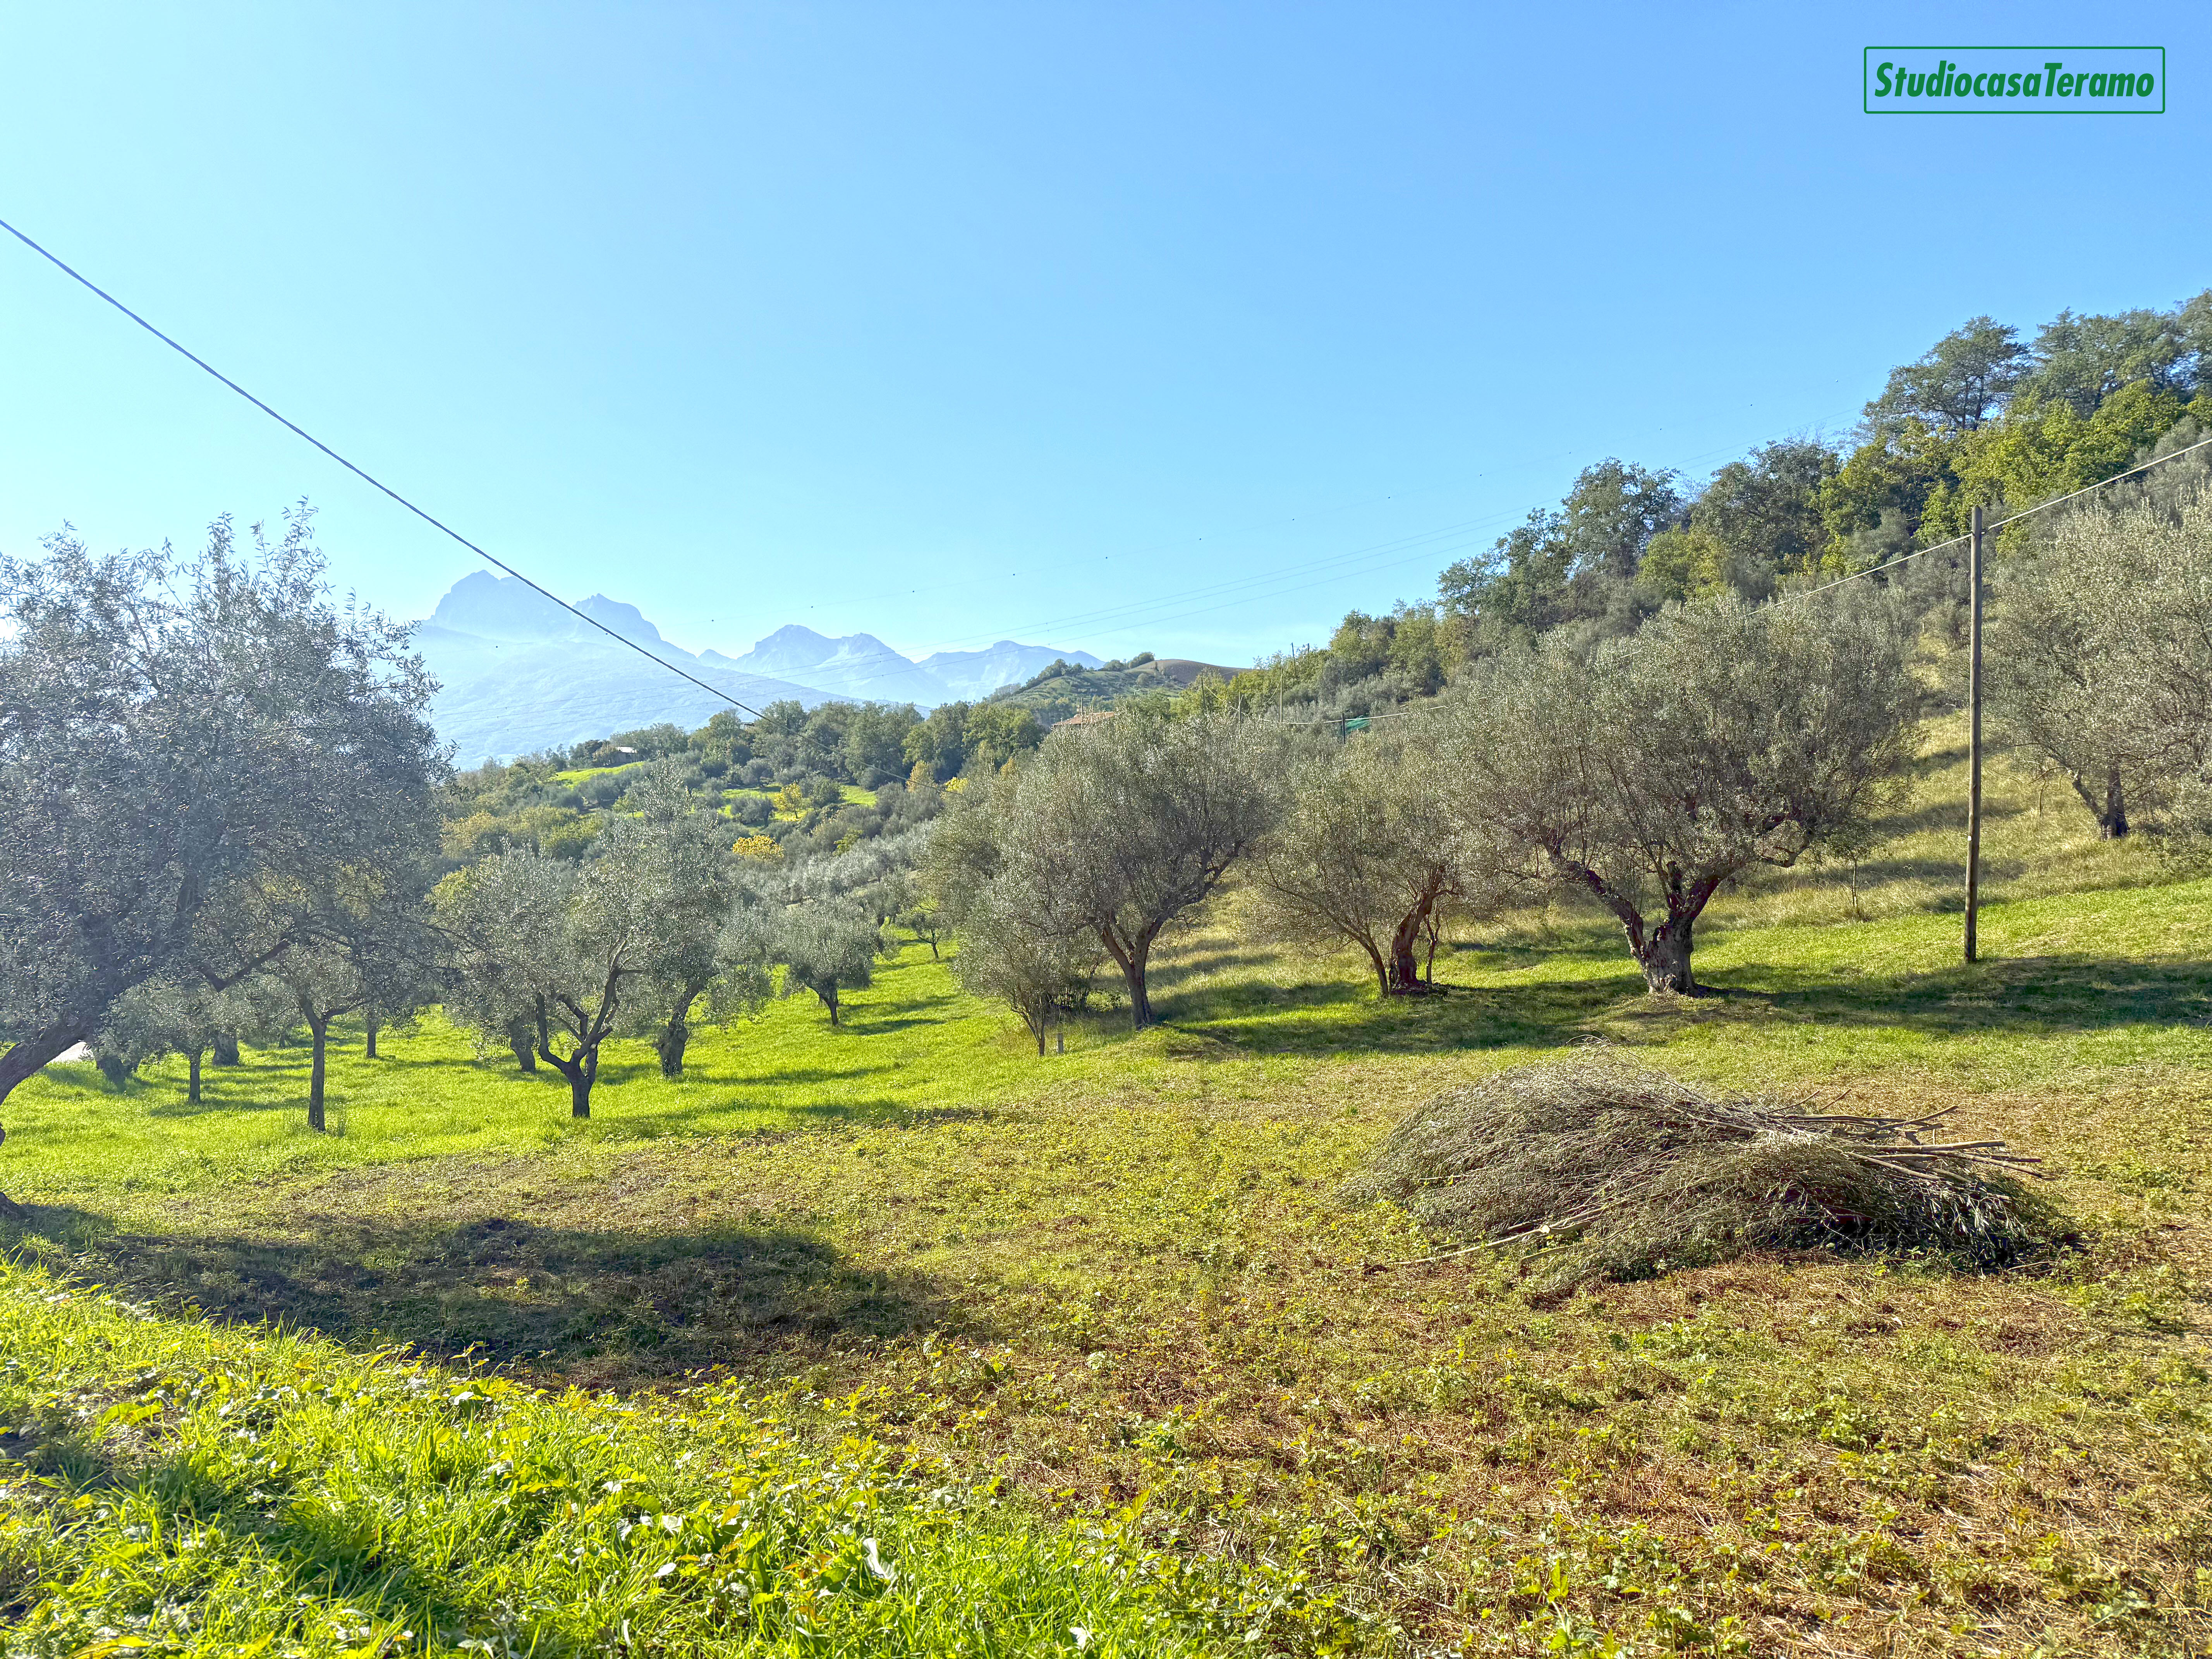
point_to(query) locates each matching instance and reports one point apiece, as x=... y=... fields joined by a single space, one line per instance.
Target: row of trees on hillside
x=1643 y=777
x=1984 y=417
x=209 y=773
x=1640 y=773
x=863 y=744
x=663 y=926
x=220 y=800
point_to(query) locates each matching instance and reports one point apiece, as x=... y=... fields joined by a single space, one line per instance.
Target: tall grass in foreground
x=171 y=1488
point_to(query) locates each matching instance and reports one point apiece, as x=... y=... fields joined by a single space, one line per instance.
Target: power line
x=620 y=639
x=2024 y=513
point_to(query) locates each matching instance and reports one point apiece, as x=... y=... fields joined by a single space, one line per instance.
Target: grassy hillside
x=1056 y=699
x=1122 y=1275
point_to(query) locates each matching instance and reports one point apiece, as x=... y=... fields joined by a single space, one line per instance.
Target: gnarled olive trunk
x=1663 y=951
x=1133 y=957
x=193 y=1086
x=2107 y=798
x=581 y=1068
x=1405 y=978
x=1665 y=958
x=226 y=1048
x=318 y=1031
x=669 y=1043
x=368 y=1051
x=828 y=1000
x=673 y=1038
x=2113 y=820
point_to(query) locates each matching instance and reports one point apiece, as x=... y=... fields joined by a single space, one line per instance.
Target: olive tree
x=1364 y=854
x=827 y=946
x=366 y=949
x=171 y=733
x=1721 y=736
x=540 y=940
x=624 y=943
x=701 y=946
x=1115 y=830
x=174 y=1016
x=2099 y=651
x=1010 y=950
x=1006 y=957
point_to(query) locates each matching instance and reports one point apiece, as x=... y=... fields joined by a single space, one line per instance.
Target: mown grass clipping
x=1595 y=1169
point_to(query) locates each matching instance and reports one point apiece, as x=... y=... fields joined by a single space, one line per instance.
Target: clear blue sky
x=951 y=322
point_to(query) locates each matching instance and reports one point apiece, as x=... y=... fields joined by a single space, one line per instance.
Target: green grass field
x=1100 y=1348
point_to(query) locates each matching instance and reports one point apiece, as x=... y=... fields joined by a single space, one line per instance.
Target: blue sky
x=1182 y=327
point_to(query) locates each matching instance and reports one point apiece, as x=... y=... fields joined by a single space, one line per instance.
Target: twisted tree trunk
x=581 y=1068
x=669 y=1043
x=318 y=1031
x=1665 y=957
x=1405 y=979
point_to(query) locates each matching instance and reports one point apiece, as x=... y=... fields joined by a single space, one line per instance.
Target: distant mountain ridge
x=518 y=673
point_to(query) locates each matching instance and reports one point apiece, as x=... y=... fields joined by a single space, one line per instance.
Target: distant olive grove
x=226 y=818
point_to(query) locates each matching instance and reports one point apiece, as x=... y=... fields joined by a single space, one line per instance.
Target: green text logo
x=2016 y=81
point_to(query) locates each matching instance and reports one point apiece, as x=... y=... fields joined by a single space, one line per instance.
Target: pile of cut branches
x=1598 y=1168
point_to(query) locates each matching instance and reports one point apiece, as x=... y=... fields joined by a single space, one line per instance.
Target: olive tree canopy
x=365 y=946
x=1722 y=735
x=1009 y=951
x=705 y=944
x=173 y=735
x=585 y=953
x=1115 y=830
x=2100 y=653
x=1365 y=853
x=826 y=945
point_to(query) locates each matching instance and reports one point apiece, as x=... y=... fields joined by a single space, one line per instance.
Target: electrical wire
x=368 y=478
x=1100 y=614
x=2010 y=518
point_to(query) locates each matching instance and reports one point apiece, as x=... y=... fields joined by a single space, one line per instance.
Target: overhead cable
x=366 y=478
x=2010 y=518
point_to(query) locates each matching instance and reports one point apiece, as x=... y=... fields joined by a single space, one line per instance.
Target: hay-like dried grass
x=1598 y=1168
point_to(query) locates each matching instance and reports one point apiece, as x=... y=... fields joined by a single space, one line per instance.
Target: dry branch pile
x=1595 y=1169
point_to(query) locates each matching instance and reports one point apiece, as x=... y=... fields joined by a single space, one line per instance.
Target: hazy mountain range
x=518 y=673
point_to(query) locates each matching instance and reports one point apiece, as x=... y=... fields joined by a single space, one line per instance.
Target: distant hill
x=1065 y=694
x=518 y=673
x=972 y=675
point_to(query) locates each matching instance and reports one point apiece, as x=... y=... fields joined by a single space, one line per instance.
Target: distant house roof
x=1090 y=717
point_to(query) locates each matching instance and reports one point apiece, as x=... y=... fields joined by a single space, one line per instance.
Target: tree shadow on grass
x=325 y=1554
x=651 y=1124
x=791 y=1076
x=1173 y=969
x=607 y=1305
x=2053 y=995
x=2044 y=995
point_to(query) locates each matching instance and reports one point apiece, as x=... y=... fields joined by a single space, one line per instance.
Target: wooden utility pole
x=1973 y=729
